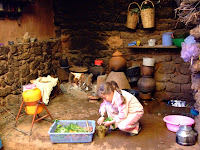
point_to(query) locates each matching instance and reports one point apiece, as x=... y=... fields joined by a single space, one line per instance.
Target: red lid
x=98 y=62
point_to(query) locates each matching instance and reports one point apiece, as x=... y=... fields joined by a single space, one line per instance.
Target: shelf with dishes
x=155 y=46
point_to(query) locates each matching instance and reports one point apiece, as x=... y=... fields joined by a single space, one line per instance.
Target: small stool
x=37 y=104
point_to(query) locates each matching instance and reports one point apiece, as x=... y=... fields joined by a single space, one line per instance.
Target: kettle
x=186 y=136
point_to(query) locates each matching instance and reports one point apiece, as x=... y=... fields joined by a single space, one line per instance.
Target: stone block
x=184 y=68
x=128 y=35
x=181 y=79
x=186 y=88
x=161 y=77
x=165 y=58
x=167 y=67
x=38 y=51
x=114 y=41
x=5 y=91
x=3 y=57
x=144 y=40
x=162 y=27
x=3 y=67
x=34 y=64
x=160 y=86
x=24 y=56
x=13 y=49
x=2 y=83
x=12 y=100
x=4 y=50
x=24 y=70
x=14 y=86
x=177 y=59
x=9 y=78
x=161 y=12
x=172 y=87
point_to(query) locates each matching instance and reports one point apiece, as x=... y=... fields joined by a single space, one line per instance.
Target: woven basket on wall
x=132 y=18
x=148 y=15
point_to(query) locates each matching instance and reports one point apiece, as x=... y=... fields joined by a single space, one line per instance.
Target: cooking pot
x=133 y=92
x=133 y=71
x=186 y=135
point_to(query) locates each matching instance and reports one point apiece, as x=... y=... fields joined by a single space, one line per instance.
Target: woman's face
x=107 y=97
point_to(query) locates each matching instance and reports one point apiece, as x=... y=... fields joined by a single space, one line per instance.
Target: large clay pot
x=117 y=62
x=147 y=71
x=146 y=85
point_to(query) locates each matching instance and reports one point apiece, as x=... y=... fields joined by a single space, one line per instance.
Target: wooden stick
x=87 y=126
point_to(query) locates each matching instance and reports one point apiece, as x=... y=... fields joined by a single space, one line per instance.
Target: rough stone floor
x=153 y=136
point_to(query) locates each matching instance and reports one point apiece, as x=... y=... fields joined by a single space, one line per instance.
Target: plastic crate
x=81 y=137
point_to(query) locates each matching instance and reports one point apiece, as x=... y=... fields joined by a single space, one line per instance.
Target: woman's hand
x=100 y=120
x=108 y=123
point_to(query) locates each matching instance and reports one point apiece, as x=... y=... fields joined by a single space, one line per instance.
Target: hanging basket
x=148 y=15
x=132 y=17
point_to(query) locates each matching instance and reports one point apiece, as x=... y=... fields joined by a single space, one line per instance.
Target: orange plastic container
x=32 y=95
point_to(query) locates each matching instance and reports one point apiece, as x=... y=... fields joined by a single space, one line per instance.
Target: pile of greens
x=110 y=119
x=70 y=128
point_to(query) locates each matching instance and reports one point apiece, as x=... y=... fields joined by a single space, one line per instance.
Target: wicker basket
x=132 y=18
x=148 y=15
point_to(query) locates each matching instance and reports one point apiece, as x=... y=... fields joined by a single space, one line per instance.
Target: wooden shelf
x=156 y=46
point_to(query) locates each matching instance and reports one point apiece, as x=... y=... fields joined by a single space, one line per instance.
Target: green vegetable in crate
x=70 y=128
x=110 y=119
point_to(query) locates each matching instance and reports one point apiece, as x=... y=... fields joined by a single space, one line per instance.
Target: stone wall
x=24 y=62
x=94 y=30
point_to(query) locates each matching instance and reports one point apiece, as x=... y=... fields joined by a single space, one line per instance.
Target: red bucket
x=98 y=62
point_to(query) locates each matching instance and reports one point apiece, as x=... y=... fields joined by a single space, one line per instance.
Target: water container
x=167 y=39
x=32 y=94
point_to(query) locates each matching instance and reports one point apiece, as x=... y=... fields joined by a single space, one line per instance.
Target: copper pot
x=147 y=71
x=117 y=62
x=146 y=84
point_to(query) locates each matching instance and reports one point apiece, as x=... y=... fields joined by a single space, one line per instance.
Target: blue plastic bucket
x=0 y=144
x=167 y=39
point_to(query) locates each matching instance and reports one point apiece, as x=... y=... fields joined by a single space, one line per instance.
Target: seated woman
x=123 y=107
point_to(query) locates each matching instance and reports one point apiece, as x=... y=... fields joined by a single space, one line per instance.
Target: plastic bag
x=190 y=40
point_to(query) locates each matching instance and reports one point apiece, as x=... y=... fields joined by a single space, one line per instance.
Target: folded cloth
x=45 y=84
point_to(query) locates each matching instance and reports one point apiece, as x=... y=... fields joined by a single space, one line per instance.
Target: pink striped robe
x=126 y=115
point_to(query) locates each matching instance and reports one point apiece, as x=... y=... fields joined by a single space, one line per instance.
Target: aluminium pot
x=186 y=135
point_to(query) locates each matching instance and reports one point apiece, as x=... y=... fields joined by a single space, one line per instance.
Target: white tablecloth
x=46 y=85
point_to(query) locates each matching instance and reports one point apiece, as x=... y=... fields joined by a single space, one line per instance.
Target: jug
x=186 y=135
x=152 y=42
x=167 y=39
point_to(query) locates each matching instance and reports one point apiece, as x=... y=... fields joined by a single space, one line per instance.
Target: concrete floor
x=153 y=136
